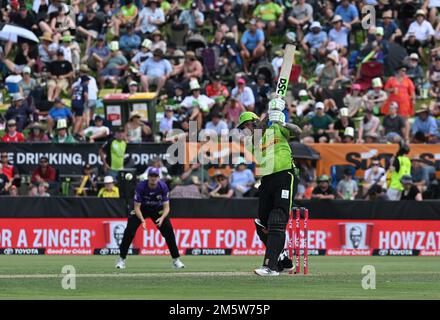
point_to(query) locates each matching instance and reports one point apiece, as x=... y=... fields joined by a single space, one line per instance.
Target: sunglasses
x=375 y=164
x=12 y=125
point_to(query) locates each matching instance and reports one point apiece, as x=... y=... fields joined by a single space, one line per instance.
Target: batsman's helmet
x=246 y=117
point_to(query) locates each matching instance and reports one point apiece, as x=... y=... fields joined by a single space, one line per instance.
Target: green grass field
x=38 y=277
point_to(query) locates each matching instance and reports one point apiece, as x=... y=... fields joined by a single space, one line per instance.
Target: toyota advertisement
x=81 y=236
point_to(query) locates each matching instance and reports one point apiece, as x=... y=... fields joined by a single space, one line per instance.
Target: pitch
x=39 y=277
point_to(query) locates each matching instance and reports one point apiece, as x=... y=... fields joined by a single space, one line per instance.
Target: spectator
x=410 y=191
x=354 y=100
x=60 y=72
x=135 y=128
x=192 y=18
x=316 y=40
x=321 y=123
x=42 y=190
x=216 y=90
x=44 y=173
x=27 y=84
x=375 y=193
x=5 y=183
x=90 y=26
x=227 y=19
x=61 y=22
x=348 y=135
x=143 y=54
x=392 y=31
x=269 y=13
x=339 y=34
x=126 y=15
x=300 y=17
x=328 y=76
x=422 y=28
x=13 y=191
x=97 y=132
x=393 y=124
x=217 y=125
x=261 y=91
x=348 y=12
x=9 y=170
x=71 y=50
x=166 y=123
x=243 y=180
x=25 y=57
x=112 y=153
x=222 y=188
x=129 y=41
x=57 y=112
x=158 y=42
x=375 y=175
x=347 y=188
x=192 y=68
x=190 y=182
x=342 y=123
x=369 y=125
x=155 y=71
x=62 y=134
x=80 y=98
x=196 y=104
x=375 y=97
x=232 y=110
x=92 y=93
x=324 y=190
x=421 y=173
x=37 y=133
x=109 y=190
x=150 y=18
x=11 y=134
x=401 y=166
x=252 y=44
x=88 y=184
x=97 y=55
x=244 y=94
x=424 y=128
x=113 y=66
x=412 y=45
x=415 y=71
x=20 y=111
x=304 y=106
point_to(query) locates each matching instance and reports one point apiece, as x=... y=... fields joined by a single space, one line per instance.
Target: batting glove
x=277 y=104
x=277 y=116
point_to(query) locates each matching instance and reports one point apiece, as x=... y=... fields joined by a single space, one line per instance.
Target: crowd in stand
x=210 y=60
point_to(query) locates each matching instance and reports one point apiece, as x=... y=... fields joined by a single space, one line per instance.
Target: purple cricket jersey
x=151 y=198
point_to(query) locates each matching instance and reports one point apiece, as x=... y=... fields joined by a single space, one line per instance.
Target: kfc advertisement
x=61 y=236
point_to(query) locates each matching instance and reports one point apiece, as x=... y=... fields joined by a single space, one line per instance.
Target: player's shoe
x=120 y=264
x=266 y=272
x=177 y=264
x=284 y=263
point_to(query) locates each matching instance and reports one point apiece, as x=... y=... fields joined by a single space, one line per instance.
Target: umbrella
x=303 y=151
x=9 y=31
x=8 y=37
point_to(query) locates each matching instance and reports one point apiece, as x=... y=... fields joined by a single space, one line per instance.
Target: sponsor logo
x=208 y=252
x=395 y=252
x=8 y=251
x=282 y=87
x=22 y=251
x=355 y=235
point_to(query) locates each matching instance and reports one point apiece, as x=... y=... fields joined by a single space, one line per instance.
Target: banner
x=70 y=158
x=361 y=155
x=216 y=237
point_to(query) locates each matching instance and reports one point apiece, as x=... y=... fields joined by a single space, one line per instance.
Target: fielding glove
x=277 y=117
x=277 y=104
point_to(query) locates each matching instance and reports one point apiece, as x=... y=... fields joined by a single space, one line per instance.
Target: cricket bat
x=286 y=69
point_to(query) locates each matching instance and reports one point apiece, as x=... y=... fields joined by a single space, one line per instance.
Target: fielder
x=278 y=184
x=150 y=200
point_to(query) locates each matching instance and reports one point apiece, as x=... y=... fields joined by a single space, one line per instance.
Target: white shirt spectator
x=146 y=14
x=166 y=124
x=379 y=176
x=93 y=130
x=204 y=102
x=246 y=97
x=220 y=127
x=421 y=31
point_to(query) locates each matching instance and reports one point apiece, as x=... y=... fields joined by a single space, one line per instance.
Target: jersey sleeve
x=165 y=193
x=138 y=193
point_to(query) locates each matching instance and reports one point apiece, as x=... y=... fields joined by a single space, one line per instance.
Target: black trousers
x=276 y=193
x=166 y=229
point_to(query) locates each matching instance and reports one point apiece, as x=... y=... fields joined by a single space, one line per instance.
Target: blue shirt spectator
x=129 y=41
x=191 y=17
x=153 y=68
x=59 y=111
x=250 y=41
x=242 y=178
x=426 y=124
x=340 y=37
x=347 y=11
x=315 y=40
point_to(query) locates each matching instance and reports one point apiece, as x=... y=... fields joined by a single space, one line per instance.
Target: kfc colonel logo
x=355 y=235
x=114 y=232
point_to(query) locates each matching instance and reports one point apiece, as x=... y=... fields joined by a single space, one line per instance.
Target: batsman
x=278 y=183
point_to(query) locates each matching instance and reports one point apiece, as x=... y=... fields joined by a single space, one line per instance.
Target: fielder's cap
x=108 y=179
x=153 y=171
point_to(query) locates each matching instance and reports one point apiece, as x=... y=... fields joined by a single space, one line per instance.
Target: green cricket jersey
x=273 y=153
